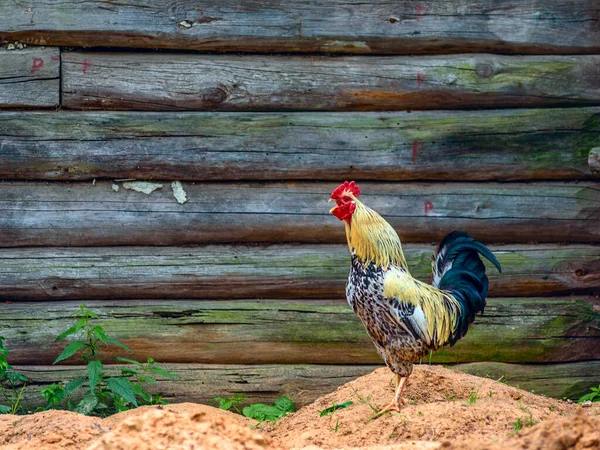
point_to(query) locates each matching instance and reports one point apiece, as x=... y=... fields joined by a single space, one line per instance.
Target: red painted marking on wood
x=37 y=64
x=421 y=10
x=55 y=58
x=420 y=78
x=428 y=207
x=417 y=147
x=87 y=64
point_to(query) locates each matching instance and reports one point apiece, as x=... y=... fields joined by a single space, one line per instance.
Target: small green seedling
x=450 y=397
x=517 y=426
x=262 y=412
x=334 y=408
x=593 y=396
x=12 y=384
x=227 y=403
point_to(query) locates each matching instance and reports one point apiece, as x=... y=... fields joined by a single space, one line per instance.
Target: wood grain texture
x=537 y=26
x=563 y=381
x=277 y=271
x=81 y=214
x=531 y=330
x=29 y=77
x=199 y=383
x=483 y=145
x=141 y=81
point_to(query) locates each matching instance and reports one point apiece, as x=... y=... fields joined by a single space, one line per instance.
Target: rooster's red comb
x=346 y=186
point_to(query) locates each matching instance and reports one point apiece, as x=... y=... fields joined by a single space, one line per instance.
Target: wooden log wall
x=260 y=109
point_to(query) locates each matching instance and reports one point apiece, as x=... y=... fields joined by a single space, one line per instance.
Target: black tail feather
x=459 y=270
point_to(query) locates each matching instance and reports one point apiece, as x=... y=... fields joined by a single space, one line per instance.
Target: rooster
x=406 y=318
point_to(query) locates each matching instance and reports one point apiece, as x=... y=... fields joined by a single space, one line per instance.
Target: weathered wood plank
x=199 y=383
x=537 y=26
x=535 y=330
x=571 y=380
x=81 y=214
x=290 y=83
x=483 y=145
x=282 y=271
x=29 y=78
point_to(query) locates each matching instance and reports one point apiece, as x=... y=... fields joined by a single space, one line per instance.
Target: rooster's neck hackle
x=372 y=239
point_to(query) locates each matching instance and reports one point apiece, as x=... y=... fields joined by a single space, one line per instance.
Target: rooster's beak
x=334 y=208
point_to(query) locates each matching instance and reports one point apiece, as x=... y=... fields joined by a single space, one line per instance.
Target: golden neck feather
x=372 y=239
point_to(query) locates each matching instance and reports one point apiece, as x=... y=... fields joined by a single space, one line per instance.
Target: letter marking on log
x=428 y=207
x=37 y=64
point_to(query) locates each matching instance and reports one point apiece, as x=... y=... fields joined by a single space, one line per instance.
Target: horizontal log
x=156 y=81
x=564 y=381
x=282 y=271
x=83 y=214
x=200 y=383
x=516 y=330
x=303 y=26
x=483 y=145
x=30 y=77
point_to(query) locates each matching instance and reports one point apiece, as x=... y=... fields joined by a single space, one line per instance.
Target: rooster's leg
x=395 y=404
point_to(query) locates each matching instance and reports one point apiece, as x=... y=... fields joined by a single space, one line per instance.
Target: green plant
x=334 y=408
x=517 y=426
x=262 y=412
x=449 y=397
x=227 y=403
x=365 y=400
x=12 y=384
x=473 y=397
x=104 y=395
x=593 y=396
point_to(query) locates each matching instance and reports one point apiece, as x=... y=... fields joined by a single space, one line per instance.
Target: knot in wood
x=484 y=70
x=185 y=24
x=214 y=95
x=393 y=19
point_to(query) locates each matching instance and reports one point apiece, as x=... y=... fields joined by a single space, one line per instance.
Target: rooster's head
x=345 y=197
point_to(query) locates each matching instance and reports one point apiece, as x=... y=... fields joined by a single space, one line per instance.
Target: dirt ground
x=444 y=410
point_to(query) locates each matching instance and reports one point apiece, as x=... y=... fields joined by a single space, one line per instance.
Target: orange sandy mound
x=438 y=415
x=49 y=430
x=164 y=429
x=578 y=432
x=437 y=409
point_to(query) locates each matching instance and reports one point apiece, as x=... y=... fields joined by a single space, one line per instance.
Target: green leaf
x=148 y=379
x=73 y=385
x=128 y=361
x=98 y=331
x=5 y=409
x=121 y=386
x=70 y=350
x=333 y=408
x=15 y=377
x=139 y=391
x=74 y=329
x=262 y=412
x=87 y=404
x=284 y=404
x=129 y=372
x=113 y=341
x=94 y=371
x=165 y=373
